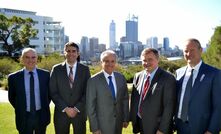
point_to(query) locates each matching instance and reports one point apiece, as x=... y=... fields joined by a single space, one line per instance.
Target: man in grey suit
x=68 y=91
x=153 y=97
x=107 y=98
x=198 y=94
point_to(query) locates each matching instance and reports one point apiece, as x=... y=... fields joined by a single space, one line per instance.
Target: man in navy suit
x=198 y=92
x=28 y=94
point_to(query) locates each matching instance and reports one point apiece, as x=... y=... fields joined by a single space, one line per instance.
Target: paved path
x=3 y=95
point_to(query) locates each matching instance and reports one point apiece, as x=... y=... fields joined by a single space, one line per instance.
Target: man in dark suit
x=28 y=94
x=199 y=92
x=107 y=98
x=68 y=90
x=153 y=97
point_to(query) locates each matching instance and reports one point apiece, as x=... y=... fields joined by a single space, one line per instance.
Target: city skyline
x=177 y=20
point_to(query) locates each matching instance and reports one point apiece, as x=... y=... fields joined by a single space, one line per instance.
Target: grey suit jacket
x=159 y=104
x=104 y=113
x=62 y=95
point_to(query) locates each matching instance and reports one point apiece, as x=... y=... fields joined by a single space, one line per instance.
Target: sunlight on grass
x=7 y=121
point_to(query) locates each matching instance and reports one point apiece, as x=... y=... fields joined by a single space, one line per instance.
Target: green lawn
x=7 y=121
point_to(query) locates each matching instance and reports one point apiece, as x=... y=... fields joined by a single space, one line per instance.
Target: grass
x=7 y=121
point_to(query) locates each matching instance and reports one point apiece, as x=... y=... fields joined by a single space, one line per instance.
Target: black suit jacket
x=62 y=95
x=159 y=104
x=17 y=97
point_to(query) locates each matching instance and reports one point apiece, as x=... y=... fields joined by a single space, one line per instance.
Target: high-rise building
x=166 y=43
x=152 y=42
x=93 y=42
x=112 y=36
x=132 y=29
x=84 y=48
x=51 y=36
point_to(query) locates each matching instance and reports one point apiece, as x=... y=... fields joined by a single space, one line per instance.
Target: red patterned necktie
x=144 y=92
x=146 y=87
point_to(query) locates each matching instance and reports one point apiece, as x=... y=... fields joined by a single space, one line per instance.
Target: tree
x=213 y=52
x=20 y=30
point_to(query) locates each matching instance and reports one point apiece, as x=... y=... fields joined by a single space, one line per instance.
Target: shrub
x=7 y=66
x=49 y=61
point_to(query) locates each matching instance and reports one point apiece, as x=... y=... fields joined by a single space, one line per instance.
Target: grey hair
x=25 y=50
x=107 y=53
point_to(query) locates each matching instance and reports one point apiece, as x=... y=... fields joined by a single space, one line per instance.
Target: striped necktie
x=71 y=77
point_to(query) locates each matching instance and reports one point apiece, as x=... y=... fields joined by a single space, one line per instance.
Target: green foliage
x=213 y=52
x=169 y=66
x=8 y=66
x=46 y=62
x=20 y=30
x=49 y=61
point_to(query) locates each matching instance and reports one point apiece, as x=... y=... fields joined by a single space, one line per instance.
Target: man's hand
x=207 y=132
x=97 y=132
x=125 y=124
x=71 y=112
x=159 y=132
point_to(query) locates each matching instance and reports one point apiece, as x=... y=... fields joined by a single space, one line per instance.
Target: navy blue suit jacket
x=17 y=97
x=205 y=99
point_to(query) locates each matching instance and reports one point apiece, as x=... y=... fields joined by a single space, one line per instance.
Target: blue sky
x=176 y=19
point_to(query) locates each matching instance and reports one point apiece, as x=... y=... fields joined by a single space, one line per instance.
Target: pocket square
x=154 y=87
x=202 y=77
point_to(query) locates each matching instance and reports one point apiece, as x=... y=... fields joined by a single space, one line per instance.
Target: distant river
x=174 y=58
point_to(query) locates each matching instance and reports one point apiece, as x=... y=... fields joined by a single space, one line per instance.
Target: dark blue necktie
x=186 y=98
x=32 y=93
x=111 y=85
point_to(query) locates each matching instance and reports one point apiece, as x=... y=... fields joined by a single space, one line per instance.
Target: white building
x=50 y=37
x=112 y=36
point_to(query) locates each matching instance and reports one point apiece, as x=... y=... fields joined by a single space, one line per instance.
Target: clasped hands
x=71 y=112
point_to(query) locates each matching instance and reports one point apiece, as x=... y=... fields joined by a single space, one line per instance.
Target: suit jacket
x=63 y=95
x=17 y=97
x=158 y=106
x=105 y=113
x=205 y=103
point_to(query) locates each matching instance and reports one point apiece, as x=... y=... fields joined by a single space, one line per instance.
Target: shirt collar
x=197 y=67
x=106 y=74
x=152 y=73
x=68 y=65
x=27 y=71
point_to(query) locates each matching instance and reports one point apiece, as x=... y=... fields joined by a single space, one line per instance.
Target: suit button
x=70 y=94
x=115 y=115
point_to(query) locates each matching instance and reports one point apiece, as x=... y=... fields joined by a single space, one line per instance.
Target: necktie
x=144 y=92
x=146 y=87
x=32 y=93
x=186 y=98
x=71 y=78
x=111 y=85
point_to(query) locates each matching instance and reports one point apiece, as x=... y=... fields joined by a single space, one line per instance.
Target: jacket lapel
x=180 y=77
x=153 y=83
x=64 y=75
x=198 y=80
x=105 y=84
x=139 y=83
